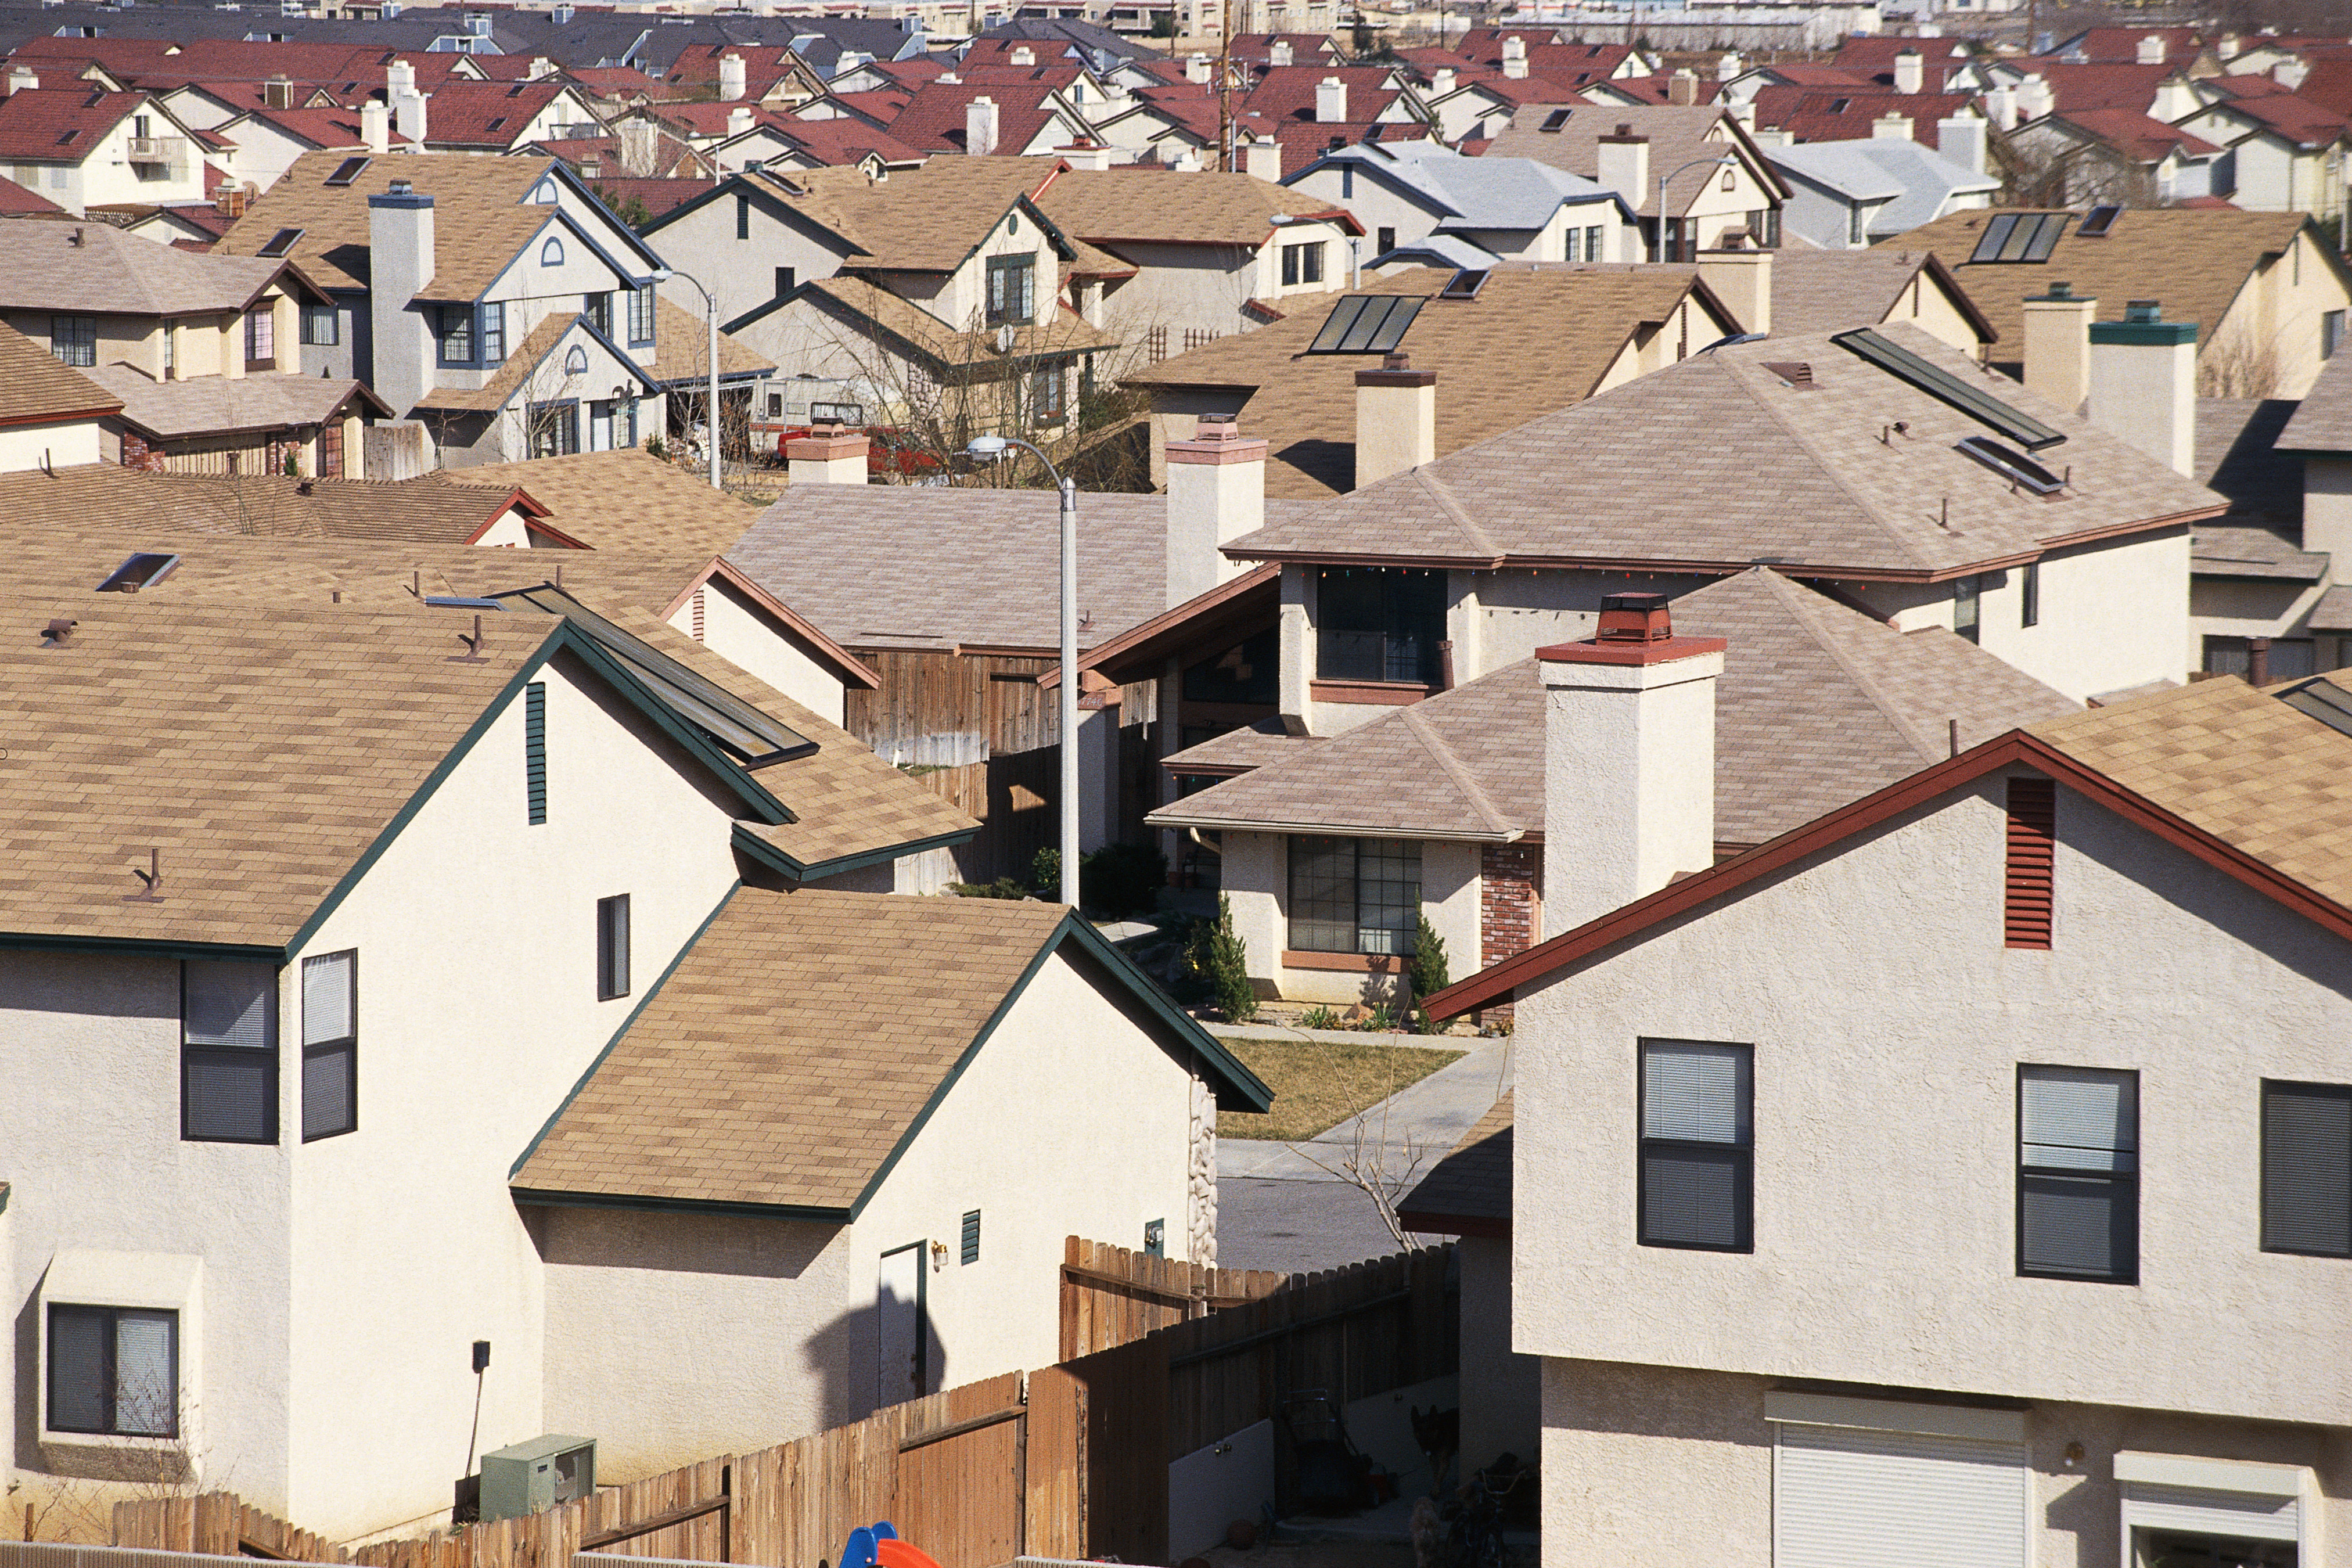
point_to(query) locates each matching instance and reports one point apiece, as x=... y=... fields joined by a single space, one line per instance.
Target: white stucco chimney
x=1216 y=493
x=1022 y=56
x=407 y=104
x=2001 y=107
x=1961 y=139
x=1910 y=72
x=1089 y=156
x=1621 y=163
x=2144 y=383
x=2057 y=346
x=542 y=68
x=1891 y=127
x=2290 y=73
x=2151 y=49
x=1278 y=52
x=1262 y=160
x=827 y=455
x=1396 y=419
x=979 y=127
x=739 y=120
x=375 y=127
x=1196 y=68
x=1742 y=279
x=734 y=82
x=399 y=76
x=22 y=79
x=1440 y=81
x=1515 y=58
x=1629 y=760
x=400 y=264
x=1330 y=101
x=2034 y=99
x=1729 y=66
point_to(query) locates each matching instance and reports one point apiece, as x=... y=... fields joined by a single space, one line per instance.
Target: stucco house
x=49 y=413
x=1487 y=209
x=1848 y=195
x=1629 y=149
x=85 y=147
x=2285 y=154
x=1927 y=1226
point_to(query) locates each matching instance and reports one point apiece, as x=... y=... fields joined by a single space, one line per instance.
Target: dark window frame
x=346 y=1045
x=260 y=323
x=742 y=216
x=641 y=316
x=323 y=325
x=2029 y=609
x=455 y=339
x=1739 y=1156
x=2128 y=1183
x=1409 y=634
x=2315 y=1091
x=970 y=1249
x=597 y=306
x=613 y=948
x=199 y=1051
x=73 y=340
x=1302 y=263
x=1002 y=309
x=553 y=427
x=1970 y=592
x=111 y=1394
x=1401 y=933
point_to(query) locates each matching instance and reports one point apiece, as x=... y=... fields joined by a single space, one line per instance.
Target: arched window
x=576 y=362
x=552 y=253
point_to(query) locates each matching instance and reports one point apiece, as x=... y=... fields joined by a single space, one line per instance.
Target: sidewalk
x=1431 y=1115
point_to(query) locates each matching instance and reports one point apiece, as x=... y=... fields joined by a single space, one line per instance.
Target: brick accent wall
x=1511 y=897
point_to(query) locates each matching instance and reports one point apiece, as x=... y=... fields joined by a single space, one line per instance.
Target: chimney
x=2033 y=97
x=1196 y=68
x=1440 y=81
x=399 y=76
x=1729 y=66
x=407 y=103
x=979 y=127
x=1263 y=160
x=542 y=68
x=2144 y=383
x=375 y=128
x=1216 y=493
x=1682 y=89
x=1629 y=760
x=739 y=120
x=1962 y=140
x=1623 y=165
x=2290 y=73
x=1910 y=73
x=1278 y=52
x=827 y=455
x=1330 y=101
x=277 y=92
x=1023 y=54
x=400 y=262
x=1515 y=58
x=733 y=84
x=1091 y=155
x=22 y=79
x=2151 y=49
x=2001 y=107
x=1742 y=279
x=1891 y=127
x=2057 y=346
x=1396 y=419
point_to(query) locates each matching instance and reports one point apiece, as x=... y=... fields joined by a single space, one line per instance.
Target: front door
x=900 y=1329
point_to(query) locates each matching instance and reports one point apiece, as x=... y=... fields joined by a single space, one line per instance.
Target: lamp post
x=710 y=313
x=990 y=448
x=1723 y=162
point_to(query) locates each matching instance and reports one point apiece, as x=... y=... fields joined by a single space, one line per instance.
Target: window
x=260 y=337
x=785 y=281
x=2097 y=222
x=321 y=325
x=1046 y=395
x=1592 y=244
x=1302 y=264
x=457 y=334
x=534 y=752
x=552 y=253
x=228 y=1052
x=1696 y=1182
x=2288 y=658
x=971 y=1236
x=1346 y=182
x=598 y=309
x=494 y=333
x=114 y=1371
x=1354 y=895
x=1854 y=227
x=1967 y=606
x=641 y=316
x=2078 y=1174
x=1384 y=241
x=1011 y=289
x=282 y=243
x=1764 y=227
x=554 y=429
x=1379 y=624
x=1246 y=672
x=2331 y=332
x=575 y=360
x=329 y=1045
x=74 y=338
x=611 y=947
x=347 y=171
x=2028 y=610
x=1556 y=121
x=2307 y=1168
x=2027 y=878
x=742 y=216
x=1731 y=180
x=331 y=450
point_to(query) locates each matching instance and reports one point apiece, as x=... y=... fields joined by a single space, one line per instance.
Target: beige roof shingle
x=36 y=388
x=97 y=268
x=1469 y=1191
x=1108 y=205
x=1678 y=134
x=428 y=510
x=211 y=405
x=925 y=219
x=1832 y=290
x=1057 y=330
x=626 y=500
x=2323 y=421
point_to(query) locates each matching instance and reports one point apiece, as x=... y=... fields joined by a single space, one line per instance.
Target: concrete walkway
x=1431 y=1116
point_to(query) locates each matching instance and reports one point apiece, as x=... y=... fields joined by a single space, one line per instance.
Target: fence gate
x=954 y=1500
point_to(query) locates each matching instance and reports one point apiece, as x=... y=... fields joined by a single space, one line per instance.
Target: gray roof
x=47 y=264
x=1819 y=705
x=2237 y=454
x=1921 y=181
x=217 y=404
x=1443 y=250
x=1832 y=291
x=2323 y=423
x=2223 y=552
x=1473 y=193
x=1751 y=469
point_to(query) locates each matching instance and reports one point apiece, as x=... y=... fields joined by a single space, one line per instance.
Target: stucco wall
x=752 y=639
x=1501 y=1390
x=742 y=272
x=27 y=446
x=1886 y=1126
x=1256 y=879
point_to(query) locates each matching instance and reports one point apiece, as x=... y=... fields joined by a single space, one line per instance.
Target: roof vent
x=402 y=188
x=57 y=633
x=1634 y=617
x=1796 y=372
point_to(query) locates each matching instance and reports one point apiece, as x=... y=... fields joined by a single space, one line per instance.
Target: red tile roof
x=2100 y=86
x=1286 y=94
x=1876 y=52
x=2146 y=140
x=59 y=124
x=933 y=120
x=2120 y=46
x=15 y=201
x=2295 y=117
x=840 y=142
x=491 y=114
x=1812 y=116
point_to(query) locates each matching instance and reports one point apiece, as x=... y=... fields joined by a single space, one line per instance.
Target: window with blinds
x=228 y=1052
x=114 y=1371
x=611 y=947
x=329 y=1045
x=1696 y=1180
x=2307 y=1168
x=2078 y=1174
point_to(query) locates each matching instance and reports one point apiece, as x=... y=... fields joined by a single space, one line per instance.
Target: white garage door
x=1845 y=1497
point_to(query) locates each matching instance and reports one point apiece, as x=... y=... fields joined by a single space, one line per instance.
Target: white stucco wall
x=1887 y=1036
x=1255 y=878
x=742 y=272
x=24 y=447
x=748 y=637
x=1501 y=1390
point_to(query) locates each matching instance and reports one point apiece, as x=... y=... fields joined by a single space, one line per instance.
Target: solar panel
x=2324 y=701
x=1996 y=235
x=2045 y=236
x=1940 y=383
x=2100 y=220
x=2013 y=466
x=1366 y=324
x=2024 y=236
x=347 y=171
x=1464 y=284
x=280 y=243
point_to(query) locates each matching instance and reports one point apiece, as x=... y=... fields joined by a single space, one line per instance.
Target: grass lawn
x=1317 y=1085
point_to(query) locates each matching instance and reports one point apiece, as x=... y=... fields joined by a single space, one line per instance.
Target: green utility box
x=531 y=1477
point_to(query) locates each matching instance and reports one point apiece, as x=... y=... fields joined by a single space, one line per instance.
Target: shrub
x=1122 y=879
x=1214 y=955
x=1046 y=871
x=1428 y=974
x=1002 y=888
x=1320 y=1018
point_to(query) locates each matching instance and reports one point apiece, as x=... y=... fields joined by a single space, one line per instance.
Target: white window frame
x=2214 y=1496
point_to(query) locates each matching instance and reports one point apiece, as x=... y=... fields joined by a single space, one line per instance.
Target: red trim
x=1597 y=652
x=2032 y=841
x=1372 y=693
x=1353 y=962
x=2016 y=748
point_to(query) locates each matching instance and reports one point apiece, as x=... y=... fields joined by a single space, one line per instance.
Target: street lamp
x=988 y=448
x=1724 y=163
x=710 y=312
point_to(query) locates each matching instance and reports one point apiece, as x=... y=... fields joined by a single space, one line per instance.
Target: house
x=1715 y=177
x=50 y=412
x=1847 y=195
x=1307 y=110
x=201 y=351
x=2075 y=1201
x=1327 y=848
x=1299 y=381
x=2113 y=157
x=84 y=149
x=1832 y=290
x=2260 y=286
x=2286 y=153
x=1475 y=211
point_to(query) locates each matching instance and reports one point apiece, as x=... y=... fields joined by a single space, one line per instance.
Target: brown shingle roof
x=97 y=268
x=862 y=305
x=928 y=219
x=681 y=351
x=628 y=499
x=1468 y=1192
x=2323 y=422
x=35 y=388
x=1108 y=206
x=429 y=510
x=216 y=405
x=1832 y=290
x=1676 y=135
x=1486 y=380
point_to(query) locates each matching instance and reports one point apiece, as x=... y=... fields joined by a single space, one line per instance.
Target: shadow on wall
x=846 y=1356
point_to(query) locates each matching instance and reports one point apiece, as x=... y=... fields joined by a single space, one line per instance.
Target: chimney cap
x=2143 y=325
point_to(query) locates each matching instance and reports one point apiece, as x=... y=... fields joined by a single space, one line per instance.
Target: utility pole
x=1226 y=13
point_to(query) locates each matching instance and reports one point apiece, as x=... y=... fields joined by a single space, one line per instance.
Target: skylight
x=347 y=171
x=1367 y=324
x=2012 y=465
x=2019 y=237
x=143 y=570
x=460 y=601
x=2100 y=220
x=2324 y=701
x=1556 y=121
x=280 y=243
x=1942 y=384
x=1464 y=284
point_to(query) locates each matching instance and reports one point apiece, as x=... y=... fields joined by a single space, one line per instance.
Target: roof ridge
x=1451 y=504
x=1863 y=677
x=1463 y=780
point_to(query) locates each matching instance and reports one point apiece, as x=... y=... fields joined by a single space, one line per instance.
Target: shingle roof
x=1757 y=469
x=682 y=352
x=1921 y=181
x=1108 y=205
x=1483 y=192
x=2302 y=122
x=2145 y=138
x=35 y=388
x=928 y=219
x=266 y=505
x=2224 y=550
x=15 y=201
x=2237 y=455
x=2194 y=260
x=1468 y=1192
x=1057 y=330
x=95 y=267
x=1678 y=134
x=216 y=404
x=487 y=114
x=1306 y=403
x=1818 y=705
x=626 y=500
x=59 y=124
x=2323 y=421
x=1814 y=114
x=1832 y=291
x=2075 y=86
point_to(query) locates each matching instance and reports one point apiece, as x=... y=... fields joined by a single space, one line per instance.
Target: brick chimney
x=1629 y=764
x=2144 y=383
x=1263 y=160
x=1624 y=166
x=1396 y=419
x=827 y=455
x=399 y=263
x=1330 y=101
x=1515 y=58
x=2057 y=346
x=979 y=127
x=734 y=82
x=1216 y=493
x=1910 y=73
x=1742 y=279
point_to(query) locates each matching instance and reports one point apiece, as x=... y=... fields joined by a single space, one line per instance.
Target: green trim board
x=776 y=860
x=138 y=947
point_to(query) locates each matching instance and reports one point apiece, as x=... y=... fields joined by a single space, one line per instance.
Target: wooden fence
x=1111 y=1296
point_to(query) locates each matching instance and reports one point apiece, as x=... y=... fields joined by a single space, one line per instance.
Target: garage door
x=1845 y=1498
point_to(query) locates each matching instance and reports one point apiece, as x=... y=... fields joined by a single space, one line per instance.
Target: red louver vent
x=2032 y=827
